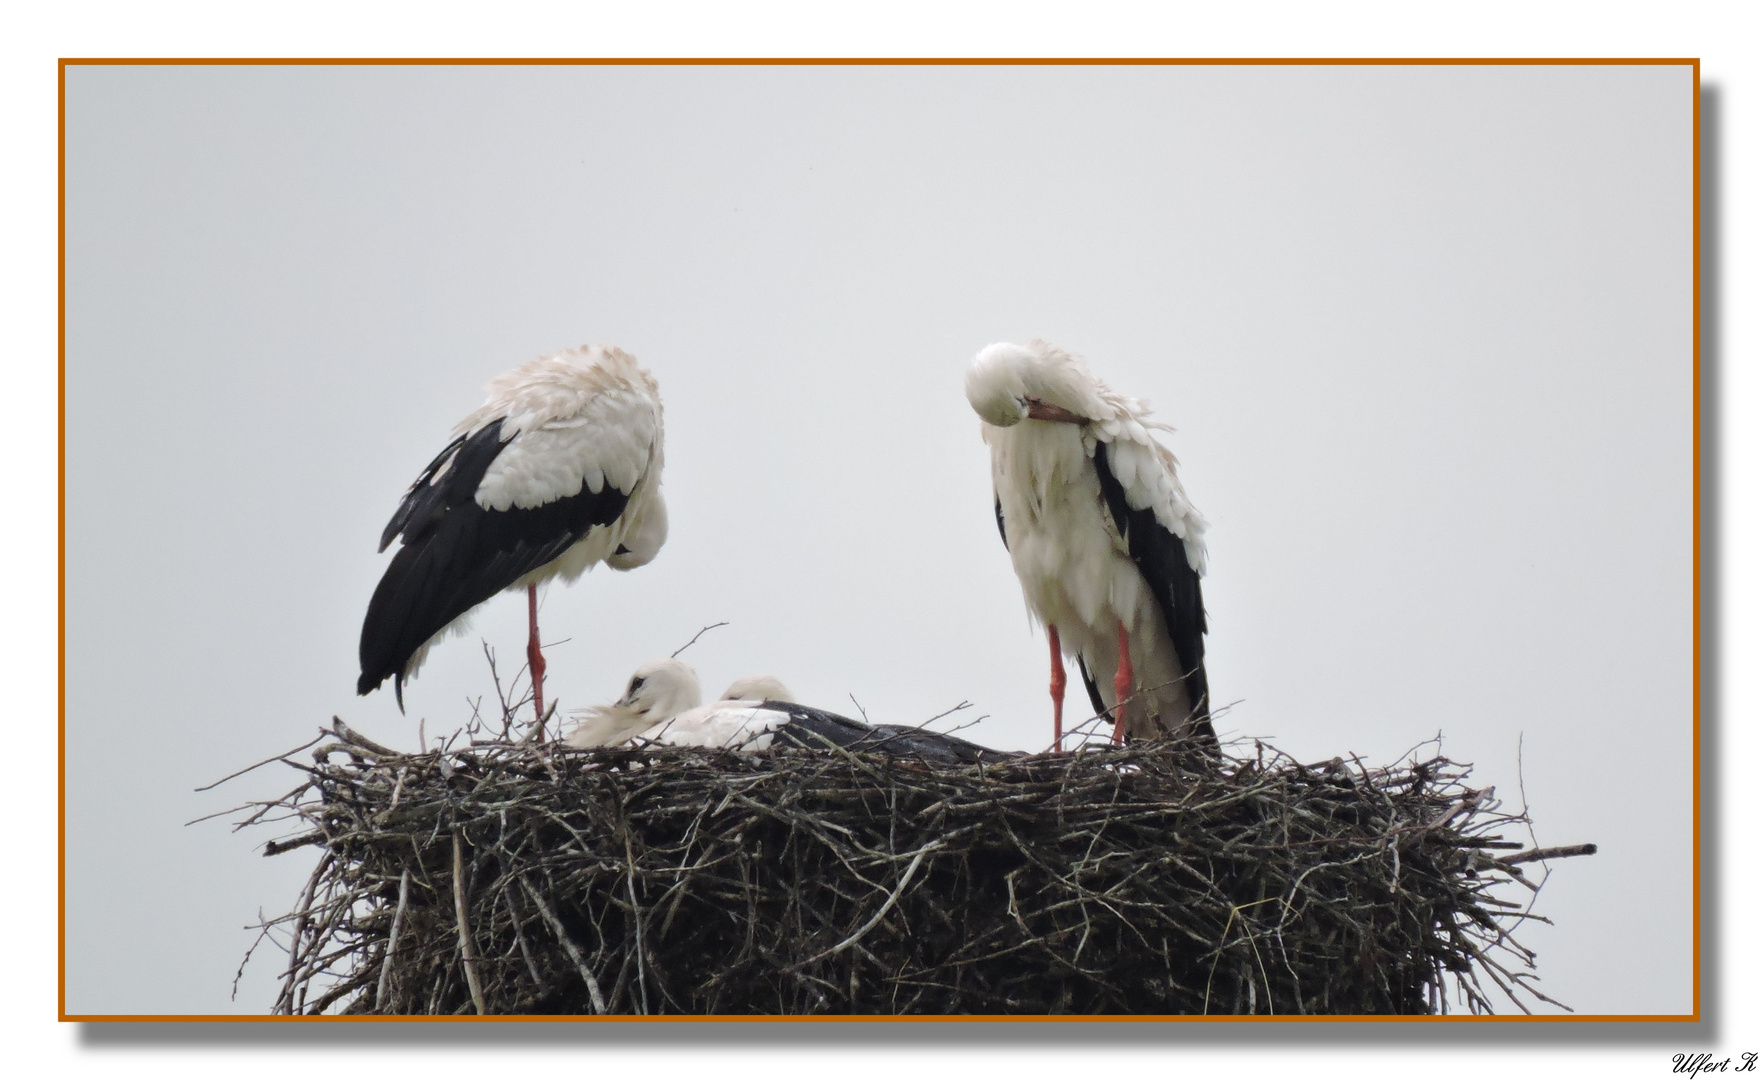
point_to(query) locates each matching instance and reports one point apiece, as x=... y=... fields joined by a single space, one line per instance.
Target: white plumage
x=663 y=704
x=558 y=471
x=570 y=420
x=1106 y=546
x=658 y=691
x=662 y=707
x=731 y=725
x=758 y=688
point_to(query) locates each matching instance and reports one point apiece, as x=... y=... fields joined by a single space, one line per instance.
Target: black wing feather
x=425 y=500
x=456 y=554
x=1163 y=562
x=817 y=729
x=1092 y=686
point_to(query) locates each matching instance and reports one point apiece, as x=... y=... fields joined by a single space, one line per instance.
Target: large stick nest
x=520 y=878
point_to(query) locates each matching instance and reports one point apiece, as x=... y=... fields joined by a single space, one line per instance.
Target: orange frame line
x=900 y=61
x=1696 y=1014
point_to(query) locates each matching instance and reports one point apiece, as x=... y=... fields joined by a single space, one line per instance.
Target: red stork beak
x=1038 y=410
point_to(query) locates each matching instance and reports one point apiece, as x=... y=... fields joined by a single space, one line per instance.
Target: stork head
x=1008 y=383
x=661 y=689
x=658 y=691
x=644 y=538
x=758 y=688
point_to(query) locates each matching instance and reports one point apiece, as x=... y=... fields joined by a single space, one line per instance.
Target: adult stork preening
x=662 y=705
x=1108 y=550
x=556 y=472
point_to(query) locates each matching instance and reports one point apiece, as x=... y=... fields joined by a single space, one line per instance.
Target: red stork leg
x=534 y=655
x=1058 y=683
x=1124 y=682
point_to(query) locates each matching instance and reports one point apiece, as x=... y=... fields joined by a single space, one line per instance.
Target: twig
x=260 y=764
x=635 y=914
x=567 y=940
x=293 y=954
x=278 y=847
x=349 y=735
x=396 y=796
x=1538 y=854
x=384 y=973
x=464 y=937
x=902 y=884
x=961 y=706
x=699 y=633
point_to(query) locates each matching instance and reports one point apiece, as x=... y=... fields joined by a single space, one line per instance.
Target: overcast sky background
x=1424 y=333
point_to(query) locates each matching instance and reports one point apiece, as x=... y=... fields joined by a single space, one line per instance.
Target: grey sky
x=1424 y=334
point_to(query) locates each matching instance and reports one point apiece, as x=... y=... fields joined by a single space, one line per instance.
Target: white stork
x=662 y=706
x=556 y=472
x=1108 y=550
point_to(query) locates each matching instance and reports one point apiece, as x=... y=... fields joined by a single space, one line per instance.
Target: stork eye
x=634 y=685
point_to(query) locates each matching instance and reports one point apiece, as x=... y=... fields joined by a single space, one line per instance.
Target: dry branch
x=507 y=876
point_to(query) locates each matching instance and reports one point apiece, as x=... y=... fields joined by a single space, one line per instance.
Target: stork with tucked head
x=1108 y=550
x=556 y=472
x=661 y=706
x=757 y=688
